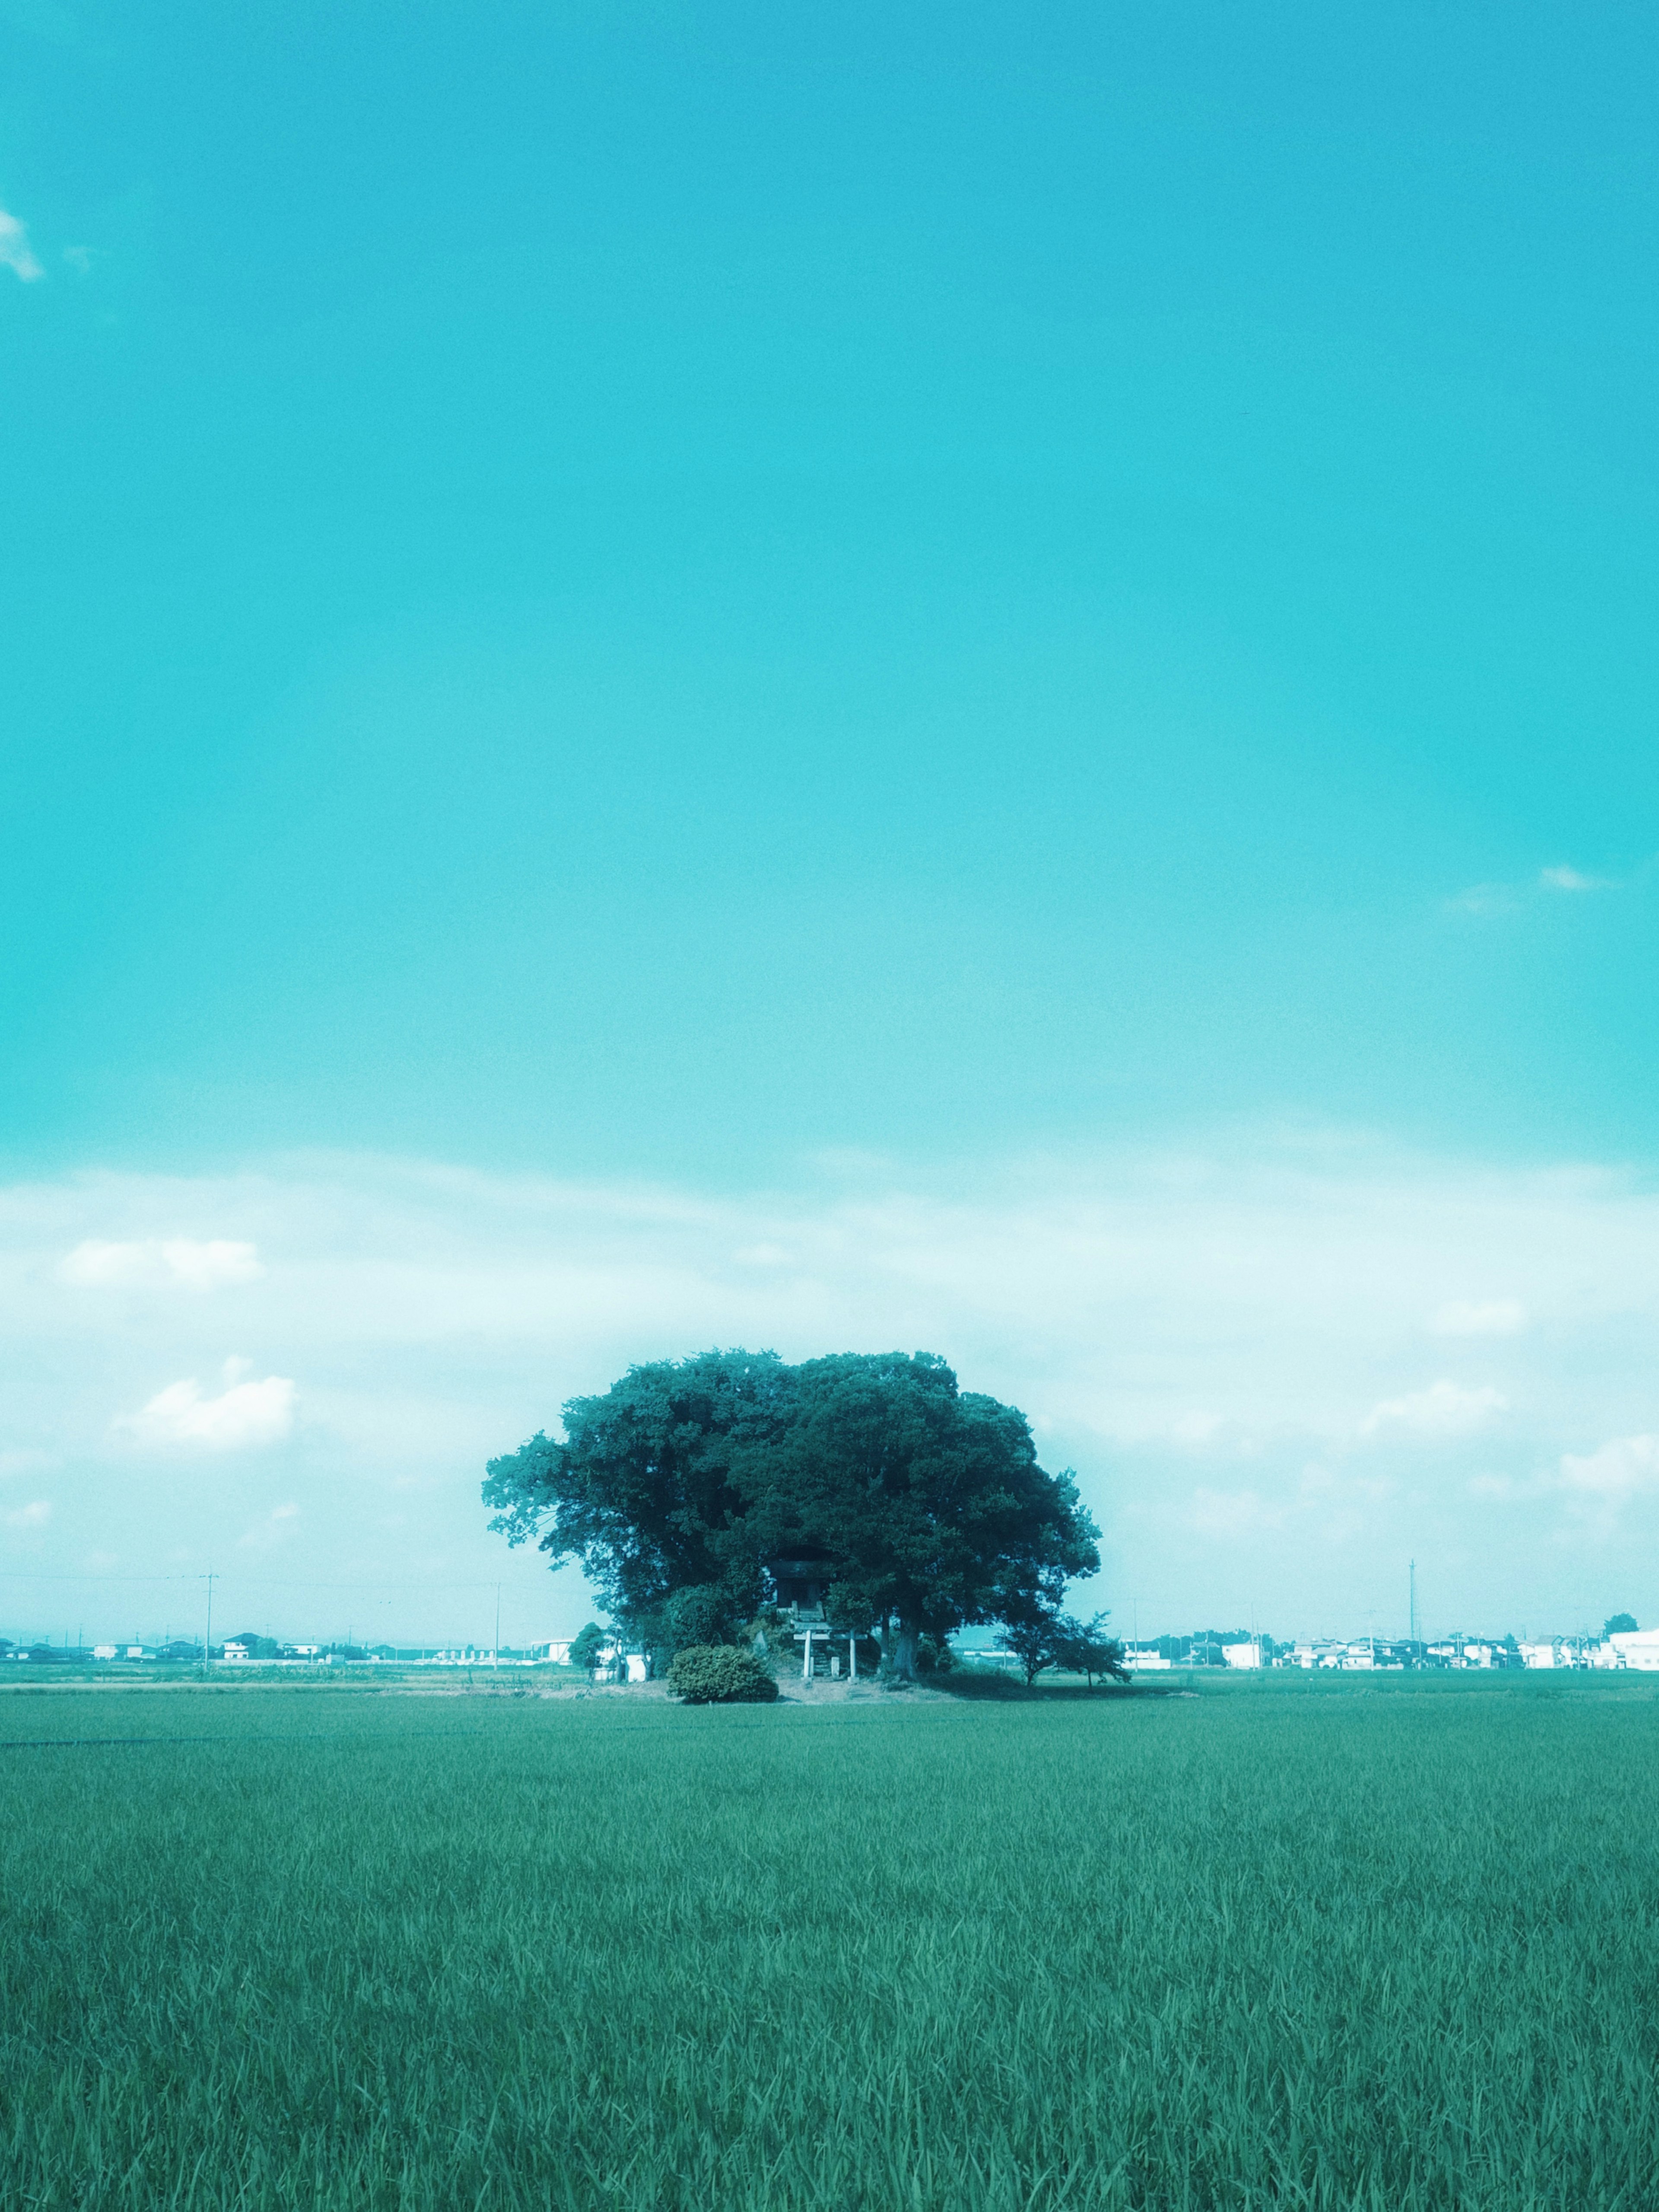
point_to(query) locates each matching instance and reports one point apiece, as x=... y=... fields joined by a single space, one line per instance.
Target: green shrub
x=716 y=1675
x=704 y=1614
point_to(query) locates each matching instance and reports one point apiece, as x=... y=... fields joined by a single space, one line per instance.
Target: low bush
x=716 y=1675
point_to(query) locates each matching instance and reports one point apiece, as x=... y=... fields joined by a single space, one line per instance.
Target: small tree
x=585 y=1649
x=1083 y=1648
x=1031 y=1630
x=1622 y=1623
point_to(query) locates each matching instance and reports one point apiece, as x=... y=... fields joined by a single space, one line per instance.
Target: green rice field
x=1334 y=1943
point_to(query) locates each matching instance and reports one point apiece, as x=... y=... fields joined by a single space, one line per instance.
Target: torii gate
x=806 y=1655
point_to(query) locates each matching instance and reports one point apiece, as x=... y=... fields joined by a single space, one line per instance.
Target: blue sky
x=798 y=614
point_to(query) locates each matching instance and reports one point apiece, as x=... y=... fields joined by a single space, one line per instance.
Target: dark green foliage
x=718 y=1674
x=1082 y=1647
x=927 y=1501
x=257 y=1647
x=587 y=1645
x=1032 y=1631
x=640 y=1492
x=1622 y=1623
x=704 y=1614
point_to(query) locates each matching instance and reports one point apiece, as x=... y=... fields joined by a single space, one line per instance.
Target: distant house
x=1636 y=1648
x=1241 y=1655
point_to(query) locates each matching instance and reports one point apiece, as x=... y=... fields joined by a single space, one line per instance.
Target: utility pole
x=495 y=1657
x=1413 y=1611
x=207 y=1648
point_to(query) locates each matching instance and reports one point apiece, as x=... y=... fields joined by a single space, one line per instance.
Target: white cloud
x=1508 y=898
x=34 y=1516
x=15 y=252
x=242 y=1416
x=1443 y=1410
x=1479 y=1317
x=216 y=1263
x=1620 y=1470
x=1569 y=879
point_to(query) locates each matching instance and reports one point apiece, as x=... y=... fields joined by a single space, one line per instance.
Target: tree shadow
x=991 y=1689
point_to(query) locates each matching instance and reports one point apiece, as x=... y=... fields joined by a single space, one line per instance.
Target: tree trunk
x=902 y=1655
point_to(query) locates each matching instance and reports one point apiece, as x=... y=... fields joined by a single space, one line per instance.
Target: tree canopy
x=641 y=1490
x=925 y=1503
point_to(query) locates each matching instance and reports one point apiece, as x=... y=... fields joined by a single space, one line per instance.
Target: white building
x=1242 y=1654
x=1636 y=1648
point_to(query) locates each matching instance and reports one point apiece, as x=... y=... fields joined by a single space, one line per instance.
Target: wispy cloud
x=1620 y=1470
x=1443 y=1410
x=15 y=252
x=23 y=1460
x=213 y=1264
x=34 y=1516
x=1490 y=899
x=1570 y=880
x=1594 y=1490
x=1485 y=899
x=1479 y=1317
x=245 y=1414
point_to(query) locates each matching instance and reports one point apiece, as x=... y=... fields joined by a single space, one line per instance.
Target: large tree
x=925 y=1503
x=640 y=1492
